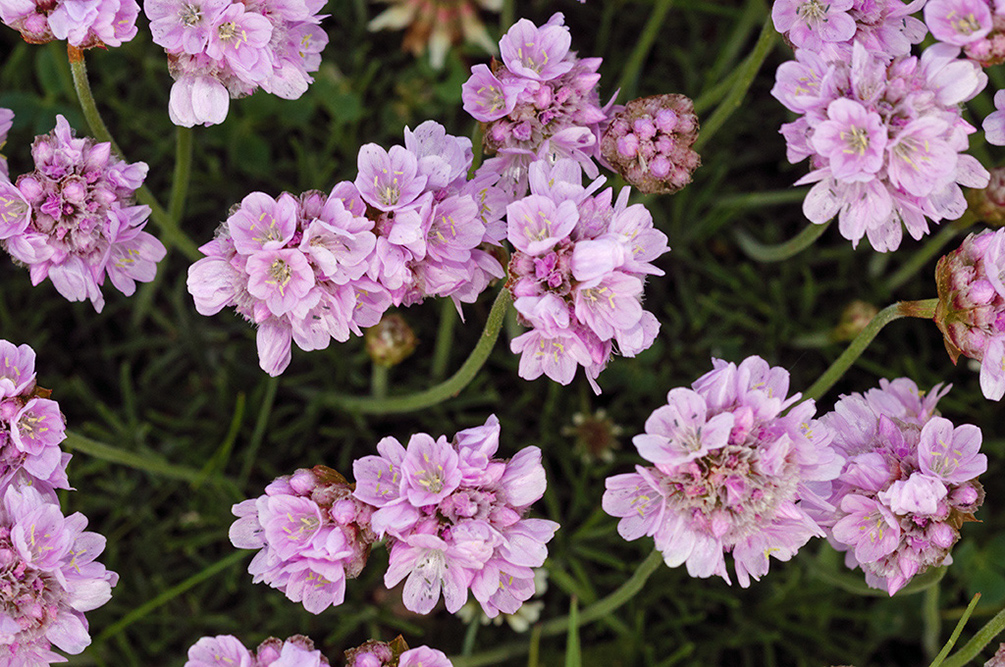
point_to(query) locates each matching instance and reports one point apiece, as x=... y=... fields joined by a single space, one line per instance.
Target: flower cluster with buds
x=832 y=28
x=540 y=102
x=908 y=484
x=733 y=460
x=971 y=308
x=976 y=25
x=885 y=139
x=313 y=268
x=312 y=535
x=394 y=654
x=219 y=49
x=578 y=272
x=82 y=23
x=72 y=219
x=455 y=519
x=649 y=143
x=228 y=651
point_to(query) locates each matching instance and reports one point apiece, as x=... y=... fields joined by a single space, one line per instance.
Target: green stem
x=182 y=173
x=171 y=234
x=932 y=622
x=170 y=594
x=973 y=647
x=911 y=267
x=745 y=200
x=940 y=659
x=507 y=16
x=628 y=83
x=749 y=67
x=557 y=626
x=379 y=375
x=782 y=251
x=444 y=339
x=441 y=392
x=923 y=309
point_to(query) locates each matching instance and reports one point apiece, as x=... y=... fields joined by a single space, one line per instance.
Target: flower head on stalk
x=971 y=308
x=908 y=484
x=733 y=460
x=455 y=518
x=436 y=25
x=82 y=23
x=49 y=578
x=885 y=139
x=312 y=535
x=72 y=219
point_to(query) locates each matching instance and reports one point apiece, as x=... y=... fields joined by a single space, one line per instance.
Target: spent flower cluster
x=219 y=49
x=733 y=460
x=578 y=272
x=885 y=139
x=82 y=23
x=454 y=517
x=908 y=485
x=72 y=219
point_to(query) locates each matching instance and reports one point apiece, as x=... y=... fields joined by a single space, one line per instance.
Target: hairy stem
x=973 y=647
x=182 y=174
x=940 y=659
x=932 y=247
x=783 y=251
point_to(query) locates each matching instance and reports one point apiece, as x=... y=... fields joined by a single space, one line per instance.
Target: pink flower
x=487 y=98
x=811 y=23
x=853 y=139
x=388 y=180
x=537 y=53
x=958 y=22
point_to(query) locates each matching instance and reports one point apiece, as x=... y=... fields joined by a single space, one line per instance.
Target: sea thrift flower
x=395 y=654
x=295 y=267
x=976 y=25
x=539 y=102
x=732 y=473
x=312 y=535
x=522 y=619
x=832 y=27
x=6 y=121
x=72 y=219
x=908 y=484
x=885 y=140
x=994 y=123
x=48 y=580
x=577 y=274
x=998 y=659
x=454 y=518
x=218 y=50
x=31 y=426
x=228 y=651
x=436 y=25
x=649 y=143
x=82 y=23
x=971 y=308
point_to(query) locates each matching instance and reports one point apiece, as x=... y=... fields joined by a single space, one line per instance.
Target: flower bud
x=988 y=204
x=391 y=341
x=854 y=318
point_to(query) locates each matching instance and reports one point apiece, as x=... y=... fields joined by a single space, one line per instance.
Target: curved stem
x=923 y=309
x=441 y=392
x=749 y=69
x=911 y=267
x=557 y=626
x=630 y=74
x=782 y=251
x=172 y=234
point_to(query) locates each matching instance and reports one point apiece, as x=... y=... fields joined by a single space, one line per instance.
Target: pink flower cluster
x=82 y=23
x=540 y=102
x=971 y=308
x=885 y=139
x=48 y=578
x=831 y=27
x=577 y=273
x=733 y=460
x=312 y=535
x=382 y=654
x=72 y=219
x=228 y=651
x=6 y=121
x=219 y=49
x=976 y=25
x=454 y=518
x=311 y=268
x=31 y=427
x=909 y=482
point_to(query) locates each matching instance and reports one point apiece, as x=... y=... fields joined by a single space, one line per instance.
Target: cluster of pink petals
x=82 y=23
x=454 y=518
x=382 y=654
x=219 y=49
x=577 y=273
x=312 y=535
x=31 y=426
x=831 y=27
x=228 y=651
x=971 y=308
x=976 y=25
x=72 y=219
x=540 y=102
x=885 y=139
x=908 y=484
x=48 y=579
x=6 y=121
x=734 y=459
x=312 y=268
